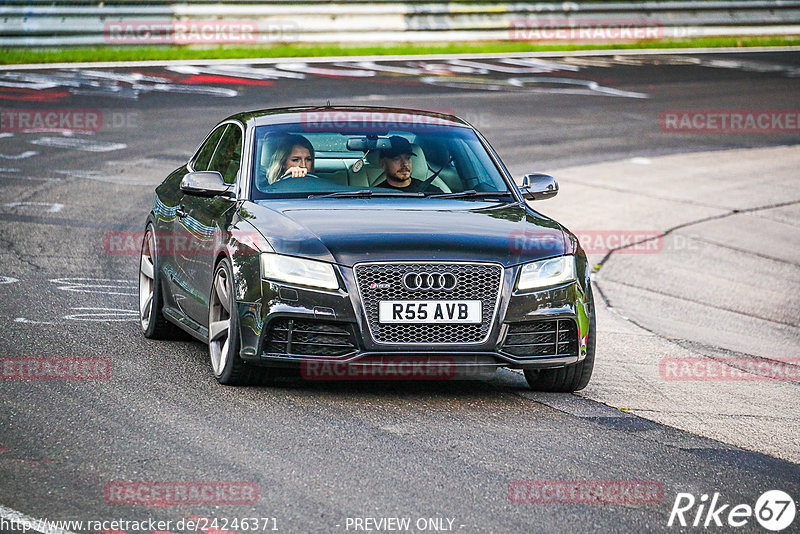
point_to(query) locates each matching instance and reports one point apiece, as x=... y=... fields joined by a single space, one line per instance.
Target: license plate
x=430 y=311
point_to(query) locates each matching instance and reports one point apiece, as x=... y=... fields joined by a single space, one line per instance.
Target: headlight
x=298 y=271
x=545 y=273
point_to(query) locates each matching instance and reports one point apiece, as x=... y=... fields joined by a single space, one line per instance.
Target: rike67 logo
x=774 y=510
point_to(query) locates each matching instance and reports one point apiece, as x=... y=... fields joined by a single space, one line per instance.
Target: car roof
x=342 y=114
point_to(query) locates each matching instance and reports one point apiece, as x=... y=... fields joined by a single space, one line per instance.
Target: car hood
x=349 y=231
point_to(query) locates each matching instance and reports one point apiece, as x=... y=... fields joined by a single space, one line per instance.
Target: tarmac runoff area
x=689 y=321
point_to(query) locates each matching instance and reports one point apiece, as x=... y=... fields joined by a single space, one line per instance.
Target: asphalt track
x=320 y=453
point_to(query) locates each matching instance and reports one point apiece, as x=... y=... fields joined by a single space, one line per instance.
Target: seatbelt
x=430 y=180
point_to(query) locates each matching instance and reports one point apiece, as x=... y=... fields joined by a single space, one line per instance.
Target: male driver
x=396 y=164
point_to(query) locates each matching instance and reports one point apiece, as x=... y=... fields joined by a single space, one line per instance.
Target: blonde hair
x=277 y=163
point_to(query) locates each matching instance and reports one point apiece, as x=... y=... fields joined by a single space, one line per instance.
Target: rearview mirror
x=365 y=144
x=538 y=186
x=205 y=183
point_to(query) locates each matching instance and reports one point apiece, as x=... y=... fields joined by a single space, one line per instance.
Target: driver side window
x=228 y=155
x=203 y=157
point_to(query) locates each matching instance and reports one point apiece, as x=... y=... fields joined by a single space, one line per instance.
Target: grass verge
x=10 y=56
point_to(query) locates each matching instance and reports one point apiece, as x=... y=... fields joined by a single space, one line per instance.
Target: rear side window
x=228 y=155
x=203 y=157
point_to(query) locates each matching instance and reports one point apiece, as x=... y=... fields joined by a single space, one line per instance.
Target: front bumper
x=269 y=335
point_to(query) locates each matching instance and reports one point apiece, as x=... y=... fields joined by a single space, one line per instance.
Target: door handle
x=180 y=212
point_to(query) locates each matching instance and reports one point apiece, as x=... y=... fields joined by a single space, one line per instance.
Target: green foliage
x=9 y=56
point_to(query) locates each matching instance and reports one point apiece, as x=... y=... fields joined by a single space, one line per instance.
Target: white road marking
x=600 y=62
x=8 y=170
x=371 y=65
x=87 y=145
x=30 y=321
x=640 y=161
x=258 y=73
x=581 y=86
x=533 y=84
x=3 y=135
x=94 y=82
x=520 y=68
x=398 y=57
x=34 y=81
x=123 y=77
x=239 y=71
x=305 y=69
x=448 y=68
x=21 y=155
x=538 y=63
x=34 y=178
x=55 y=207
x=105 y=286
x=103 y=315
x=36 y=525
x=8 y=280
x=456 y=82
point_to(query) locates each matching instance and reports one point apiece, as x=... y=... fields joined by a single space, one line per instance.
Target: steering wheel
x=289 y=177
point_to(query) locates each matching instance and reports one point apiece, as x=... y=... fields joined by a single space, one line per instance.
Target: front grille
x=552 y=337
x=475 y=282
x=304 y=337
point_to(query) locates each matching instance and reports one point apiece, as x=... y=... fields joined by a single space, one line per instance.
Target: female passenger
x=293 y=158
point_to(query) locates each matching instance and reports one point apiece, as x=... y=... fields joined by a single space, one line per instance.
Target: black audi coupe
x=364 y=243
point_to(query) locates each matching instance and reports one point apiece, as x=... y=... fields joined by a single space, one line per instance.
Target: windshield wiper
x=471 y=193
x=366 y=193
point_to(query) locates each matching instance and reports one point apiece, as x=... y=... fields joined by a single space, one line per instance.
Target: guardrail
x=63 y=23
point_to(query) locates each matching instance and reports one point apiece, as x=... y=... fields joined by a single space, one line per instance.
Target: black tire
x=571 y=377
x=234 y=371
x=155 y=326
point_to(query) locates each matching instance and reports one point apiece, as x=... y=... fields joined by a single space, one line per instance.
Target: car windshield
x=425 y=160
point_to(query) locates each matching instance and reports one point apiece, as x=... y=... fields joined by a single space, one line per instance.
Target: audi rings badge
x=430 y=281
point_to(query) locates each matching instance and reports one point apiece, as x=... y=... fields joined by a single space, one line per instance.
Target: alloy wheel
x=219 y=321
x=146 y=281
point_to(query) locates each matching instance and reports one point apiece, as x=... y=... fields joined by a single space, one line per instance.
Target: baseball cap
x=400 y=145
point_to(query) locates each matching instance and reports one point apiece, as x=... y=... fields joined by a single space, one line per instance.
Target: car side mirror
x=538 y=186
x=206 y=184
